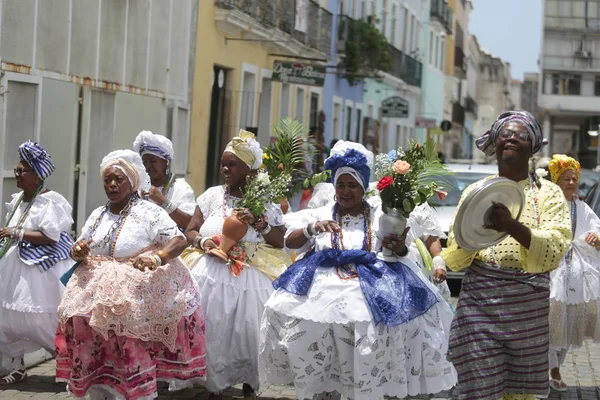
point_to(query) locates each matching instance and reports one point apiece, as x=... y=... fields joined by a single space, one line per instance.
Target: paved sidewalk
x=581 y=372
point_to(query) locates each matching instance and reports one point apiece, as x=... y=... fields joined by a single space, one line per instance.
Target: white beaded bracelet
x=169 y=206
x=305 y=232
x=196 y=241
x=266 y=230
x=21 y=234
x=203 y=241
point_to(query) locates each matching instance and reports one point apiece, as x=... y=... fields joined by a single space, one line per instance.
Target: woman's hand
x=498 y=218
x=244 y=215
x=145 y=262
x=325 y=226
x=397 y=243
x=592 y=239
x=80 y=250
x=439 y=276
x=5 y=232
x=155 y=194
x=209 y=244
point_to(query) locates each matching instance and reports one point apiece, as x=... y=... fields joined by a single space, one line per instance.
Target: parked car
x=464 y=175
x=587 y=180
x=592 y=197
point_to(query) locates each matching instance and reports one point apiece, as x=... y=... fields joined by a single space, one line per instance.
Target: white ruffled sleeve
x=210 y=200
x=161 y=228
x=182 y=196
x=274 y=214
x=10 y=205
x=590 y=221
x=422 y=222
x=51 y=215
x=298 y=220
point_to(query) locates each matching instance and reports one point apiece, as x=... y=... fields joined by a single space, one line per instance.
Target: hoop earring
x=168 y=170
x=335 y=198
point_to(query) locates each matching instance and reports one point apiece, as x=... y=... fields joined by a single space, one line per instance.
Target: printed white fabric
x=29 y=298
x=146 y=224
x=181 y=195
x=327 y=342
x=233 y=306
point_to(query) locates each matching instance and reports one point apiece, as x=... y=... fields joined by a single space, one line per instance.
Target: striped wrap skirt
x=499 y=337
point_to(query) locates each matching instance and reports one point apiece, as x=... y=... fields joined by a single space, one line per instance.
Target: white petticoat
x=233 y=307
x=327 y=342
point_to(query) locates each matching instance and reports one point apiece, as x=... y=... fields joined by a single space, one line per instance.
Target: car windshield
x=586 y=181
x=455 y=185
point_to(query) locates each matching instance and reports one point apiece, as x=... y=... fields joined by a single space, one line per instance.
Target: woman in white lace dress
x=342 y=322
x=34 y=253
x=575 y=285
x=174 y=195
x=130 y=314
x=233 y=301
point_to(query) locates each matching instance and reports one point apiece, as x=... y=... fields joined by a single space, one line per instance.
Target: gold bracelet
x=163 y=256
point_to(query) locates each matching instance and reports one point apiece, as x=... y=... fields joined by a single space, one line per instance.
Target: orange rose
x=401 y=167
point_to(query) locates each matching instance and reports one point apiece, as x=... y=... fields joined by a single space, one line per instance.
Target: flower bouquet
x=406 y=179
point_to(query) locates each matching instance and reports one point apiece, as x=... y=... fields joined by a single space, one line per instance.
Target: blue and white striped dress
x=31 y=292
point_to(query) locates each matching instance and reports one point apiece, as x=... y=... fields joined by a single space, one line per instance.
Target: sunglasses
x=520 y=136
x=19 y=171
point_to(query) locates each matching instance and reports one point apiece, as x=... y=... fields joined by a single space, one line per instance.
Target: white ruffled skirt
x=233 y=307
x=327 y=342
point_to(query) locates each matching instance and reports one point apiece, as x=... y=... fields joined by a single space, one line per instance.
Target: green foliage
x=262 y=189
x=317 y=178
x=408 y=189
x=366 y=50
x=288 y=154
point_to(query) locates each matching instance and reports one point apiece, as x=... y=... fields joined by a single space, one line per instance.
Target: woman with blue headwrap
x=34 y=253
x=343 y=321
x=499 y=336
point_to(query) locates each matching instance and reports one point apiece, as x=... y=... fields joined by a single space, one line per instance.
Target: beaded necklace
x=346 y=272
x=166 y=188
x=569 y=255
x=6 y=242
x=115 y=229
x=534 y=199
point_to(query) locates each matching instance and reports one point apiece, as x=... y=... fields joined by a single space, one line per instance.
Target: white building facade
x=84 y=77
x=569 y=89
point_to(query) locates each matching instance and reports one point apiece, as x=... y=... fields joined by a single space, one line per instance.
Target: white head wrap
x=147 y=142
x=131 y=164
x=346 y=164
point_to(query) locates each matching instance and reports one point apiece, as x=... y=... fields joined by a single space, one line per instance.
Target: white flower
x=541 y=172
x=254 y=147
x=263 y=178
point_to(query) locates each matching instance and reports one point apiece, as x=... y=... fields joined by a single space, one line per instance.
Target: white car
x=464 y=175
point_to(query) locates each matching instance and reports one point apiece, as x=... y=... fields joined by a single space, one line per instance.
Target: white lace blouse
x=146 y=224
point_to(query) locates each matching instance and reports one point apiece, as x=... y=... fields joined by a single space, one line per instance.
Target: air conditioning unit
x=583 y=54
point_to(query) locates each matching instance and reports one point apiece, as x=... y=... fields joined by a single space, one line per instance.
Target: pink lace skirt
x=129 y=366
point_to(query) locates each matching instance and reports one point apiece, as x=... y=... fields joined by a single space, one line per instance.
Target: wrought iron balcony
x=441 y=13
x=281 y=15
x=458 y=113
x=471 y=106
x=405 y=67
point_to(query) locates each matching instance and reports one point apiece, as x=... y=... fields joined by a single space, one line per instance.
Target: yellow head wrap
x=561 y=163
x=246 y=148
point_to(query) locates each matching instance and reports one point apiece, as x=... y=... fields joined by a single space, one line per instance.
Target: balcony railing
x=459 y=61
x=442 y=13
x=471 y=106
x=405 y=67
x=458 y=113
x=281 y=14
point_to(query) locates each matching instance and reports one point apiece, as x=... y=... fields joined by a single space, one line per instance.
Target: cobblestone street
x=581 y=372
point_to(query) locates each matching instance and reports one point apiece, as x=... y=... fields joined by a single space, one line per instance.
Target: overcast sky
x=511 y=30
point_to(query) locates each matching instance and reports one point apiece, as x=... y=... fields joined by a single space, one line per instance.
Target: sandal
x=558 y=384
x=17 y=375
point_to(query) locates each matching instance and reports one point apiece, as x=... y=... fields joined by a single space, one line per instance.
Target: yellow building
x=238 y=42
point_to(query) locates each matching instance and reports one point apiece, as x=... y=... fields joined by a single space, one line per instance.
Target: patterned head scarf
x=561 y=163
x=246 y=148
x=149 y=143
x=350 y=158
x=487 y=142
x=130 y=163
x=34 y=155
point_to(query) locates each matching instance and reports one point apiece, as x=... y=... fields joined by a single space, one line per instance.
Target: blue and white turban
x=149 y=143
x=34 y=155
x=487 y=143
x=350 y=158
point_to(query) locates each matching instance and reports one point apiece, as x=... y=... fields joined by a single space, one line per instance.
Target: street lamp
x=595 y=134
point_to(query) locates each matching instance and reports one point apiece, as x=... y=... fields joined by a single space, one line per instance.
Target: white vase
x=391 y=222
